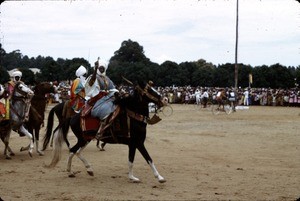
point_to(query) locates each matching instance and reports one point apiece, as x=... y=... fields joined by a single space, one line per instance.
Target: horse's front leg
x=29 y=135
x=132 y=150
x=100 y=147
x=147 y=157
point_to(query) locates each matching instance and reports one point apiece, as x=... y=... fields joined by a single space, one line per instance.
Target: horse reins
x=137 y=116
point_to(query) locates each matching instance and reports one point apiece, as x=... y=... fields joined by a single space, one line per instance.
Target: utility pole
x=236 y=46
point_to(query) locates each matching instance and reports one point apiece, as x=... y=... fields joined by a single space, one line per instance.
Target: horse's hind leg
x=37 y=138
x=78 y=154
x=69 y=165
x=7 y=150
x=87 y=165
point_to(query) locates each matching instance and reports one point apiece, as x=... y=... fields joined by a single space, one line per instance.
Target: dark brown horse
x=133 y=109
x=37 y=112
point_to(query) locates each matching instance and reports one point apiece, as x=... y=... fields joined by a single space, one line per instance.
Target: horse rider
x=104 y=105
x=16 y=77
x=77 y=97
x=10 y=86
x=3 y=94
x=221 y=96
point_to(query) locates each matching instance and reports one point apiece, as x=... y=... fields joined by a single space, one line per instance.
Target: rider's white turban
x=104 y=64
x=17 y=73
x=80 y=71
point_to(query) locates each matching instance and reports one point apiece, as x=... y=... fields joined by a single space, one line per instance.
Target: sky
x=174 y=30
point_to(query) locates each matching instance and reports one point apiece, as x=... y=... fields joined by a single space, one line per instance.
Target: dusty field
x=250 y=155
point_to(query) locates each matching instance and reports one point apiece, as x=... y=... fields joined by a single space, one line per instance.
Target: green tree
x=28 y=76
x=4 y=76
x=130 y=51
x=129 y=61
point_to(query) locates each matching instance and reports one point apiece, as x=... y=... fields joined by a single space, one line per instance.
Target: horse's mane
x=16 y=87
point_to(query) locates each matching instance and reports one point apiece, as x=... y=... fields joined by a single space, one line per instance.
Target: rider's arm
x=93 y=78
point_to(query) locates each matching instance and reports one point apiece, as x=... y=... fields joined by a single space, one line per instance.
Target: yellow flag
x=250 y=78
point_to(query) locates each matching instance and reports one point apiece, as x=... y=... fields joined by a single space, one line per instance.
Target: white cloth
x=91 y=91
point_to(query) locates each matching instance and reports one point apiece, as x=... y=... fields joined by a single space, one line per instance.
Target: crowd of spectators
x=246 y=96
x=62 y=92
x=188 y=95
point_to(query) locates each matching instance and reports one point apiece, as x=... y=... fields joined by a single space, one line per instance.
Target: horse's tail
x=49 y=128
x=58 y=139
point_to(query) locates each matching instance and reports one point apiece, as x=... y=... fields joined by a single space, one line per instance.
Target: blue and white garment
x=104 y=106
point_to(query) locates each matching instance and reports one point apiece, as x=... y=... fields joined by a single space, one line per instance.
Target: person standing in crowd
x=232 y=98
x=77 y=95
x=187 y=97
x=246 y=97
x=205 y=97
x=198 y=96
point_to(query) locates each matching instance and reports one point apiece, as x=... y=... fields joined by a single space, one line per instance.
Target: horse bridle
x=24 y=95
x=142 y=92
x=145 y=92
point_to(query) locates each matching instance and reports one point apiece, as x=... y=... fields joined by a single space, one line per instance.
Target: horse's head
x=44 y=88
x=147 y=91
x=22 y=91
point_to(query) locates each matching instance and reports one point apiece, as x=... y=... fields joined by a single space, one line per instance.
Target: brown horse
x=37 y=112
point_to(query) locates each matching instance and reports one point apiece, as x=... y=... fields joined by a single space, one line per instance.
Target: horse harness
x=139 y=117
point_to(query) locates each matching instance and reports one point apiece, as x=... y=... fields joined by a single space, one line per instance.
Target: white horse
x=19 y=111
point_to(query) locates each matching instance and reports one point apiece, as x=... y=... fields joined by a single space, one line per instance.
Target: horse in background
x=19 y=108
x=37 y=112
x=133 y=108
x=63 y=123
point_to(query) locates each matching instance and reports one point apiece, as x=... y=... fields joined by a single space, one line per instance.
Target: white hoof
x=41 y=153
x=134 y=179
x=161 y=179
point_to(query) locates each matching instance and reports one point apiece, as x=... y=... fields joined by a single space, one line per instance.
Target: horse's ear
x=35 y=82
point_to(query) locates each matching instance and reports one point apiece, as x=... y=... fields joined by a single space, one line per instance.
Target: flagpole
x=236 y=46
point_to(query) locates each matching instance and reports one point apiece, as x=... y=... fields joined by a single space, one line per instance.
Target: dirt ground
x=252 y=154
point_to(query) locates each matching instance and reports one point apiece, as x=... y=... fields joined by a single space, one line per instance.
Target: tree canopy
x=131 y=62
